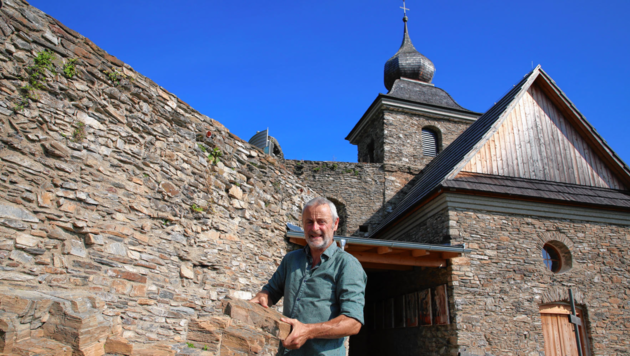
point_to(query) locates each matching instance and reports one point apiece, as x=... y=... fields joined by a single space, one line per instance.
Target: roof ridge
x=447 y=161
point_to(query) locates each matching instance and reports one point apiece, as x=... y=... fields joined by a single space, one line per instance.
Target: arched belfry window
x=430 y=143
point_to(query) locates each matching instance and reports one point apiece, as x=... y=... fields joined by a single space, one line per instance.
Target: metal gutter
x=392 y=244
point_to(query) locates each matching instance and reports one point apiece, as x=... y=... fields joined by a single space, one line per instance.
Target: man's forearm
x=336 y=328
x=340 y=326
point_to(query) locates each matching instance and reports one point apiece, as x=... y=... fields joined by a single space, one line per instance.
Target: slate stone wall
x=356 y=186
x=106 y=189
x=403 y=136
x=367 y=191
x=499 y=287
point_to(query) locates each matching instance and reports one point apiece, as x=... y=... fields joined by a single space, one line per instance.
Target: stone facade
x=395 y=137
x=498 y=289
x=403 y=136
x=107 y=187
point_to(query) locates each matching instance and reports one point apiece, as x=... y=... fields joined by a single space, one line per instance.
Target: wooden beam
x=419 y=253
x=295 y=240
x=449 y=255
x=381 y=250
x=398 y=259
x=380 y=266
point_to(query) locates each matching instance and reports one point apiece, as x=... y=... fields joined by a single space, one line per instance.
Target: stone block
x=118 y=345
x=207 y=332
x=266 y=319
x=242 y=340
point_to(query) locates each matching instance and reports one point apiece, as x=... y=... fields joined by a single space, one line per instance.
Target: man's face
x=319 y=226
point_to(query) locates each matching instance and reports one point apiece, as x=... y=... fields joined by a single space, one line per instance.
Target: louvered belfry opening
x=429 y=143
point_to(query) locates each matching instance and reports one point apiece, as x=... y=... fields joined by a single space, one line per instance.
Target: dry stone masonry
x=126 y=217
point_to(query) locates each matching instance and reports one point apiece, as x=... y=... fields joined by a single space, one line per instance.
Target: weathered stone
x=187 y=272
x=266 y=319
x=14 y=224
x=74 y=247
x=26 y=240
x=118 y=345
x=235 y=192
x=170 y=189
x=20 y=256
x=16 y=212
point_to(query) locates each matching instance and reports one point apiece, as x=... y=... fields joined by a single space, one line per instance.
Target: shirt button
x=298 y=299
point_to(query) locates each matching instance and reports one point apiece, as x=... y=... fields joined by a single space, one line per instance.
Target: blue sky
x=308 y=70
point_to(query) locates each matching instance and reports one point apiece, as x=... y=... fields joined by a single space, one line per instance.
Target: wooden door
x=559 y=333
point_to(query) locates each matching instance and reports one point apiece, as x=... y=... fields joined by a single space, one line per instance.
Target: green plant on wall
x=36 y=73
x=201 y=147
x=78 y=135
x=70 y=69
x=215 y=155
x=115 y=76
x=196 y=208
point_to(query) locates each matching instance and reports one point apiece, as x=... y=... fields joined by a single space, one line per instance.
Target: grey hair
x=321 y=201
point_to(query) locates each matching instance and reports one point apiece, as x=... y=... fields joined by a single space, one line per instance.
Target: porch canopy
x=376 y=254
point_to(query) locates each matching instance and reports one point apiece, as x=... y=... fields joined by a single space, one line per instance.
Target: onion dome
x=408 y=63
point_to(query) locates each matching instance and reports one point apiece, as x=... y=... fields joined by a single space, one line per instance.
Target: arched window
x=430 y=143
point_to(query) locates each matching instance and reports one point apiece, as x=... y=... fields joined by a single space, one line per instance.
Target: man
x=322 y=285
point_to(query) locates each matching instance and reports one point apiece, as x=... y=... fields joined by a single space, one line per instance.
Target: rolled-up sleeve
x=351 y=289
x=275 y=286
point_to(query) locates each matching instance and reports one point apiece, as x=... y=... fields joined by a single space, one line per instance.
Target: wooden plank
x=419 y=253
x=500 y=149
x=449 y=255
x=563 y=168
x=536 y=144
x=518 y=144
x=399 y=259
x=359 y=248
x=510 y=149
x=555 y=309
x=493 y=156
x=547 y=335
x=381 y=250
x=543 y=150
x=380 y=266
x=549 y=141
x=295 y=240
x=496 y=154
x=526 y=149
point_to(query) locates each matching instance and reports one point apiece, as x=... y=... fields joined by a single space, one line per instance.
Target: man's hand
x=298 y=336
x=261 y=298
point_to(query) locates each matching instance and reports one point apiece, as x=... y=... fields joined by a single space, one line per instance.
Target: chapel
x=532 y=201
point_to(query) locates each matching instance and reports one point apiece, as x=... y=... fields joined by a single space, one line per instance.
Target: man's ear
x=336 y=225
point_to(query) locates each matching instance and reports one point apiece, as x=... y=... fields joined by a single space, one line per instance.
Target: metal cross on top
x=404 y=8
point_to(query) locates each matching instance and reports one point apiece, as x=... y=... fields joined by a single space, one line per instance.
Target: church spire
x=408 y=62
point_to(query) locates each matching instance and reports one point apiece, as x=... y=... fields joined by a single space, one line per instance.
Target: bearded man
x=322 y=285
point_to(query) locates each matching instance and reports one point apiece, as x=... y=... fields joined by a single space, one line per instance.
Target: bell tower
x=415 y=120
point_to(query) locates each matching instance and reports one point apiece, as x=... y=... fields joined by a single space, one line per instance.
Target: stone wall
x=403 y=138
x=367 y=191
x=499 y=287
x=356 y=186
x=106 y=188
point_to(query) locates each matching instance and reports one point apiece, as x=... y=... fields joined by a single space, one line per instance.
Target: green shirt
x=313 y=295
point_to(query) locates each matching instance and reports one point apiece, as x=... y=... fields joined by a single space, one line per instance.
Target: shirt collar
x=328 y=253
